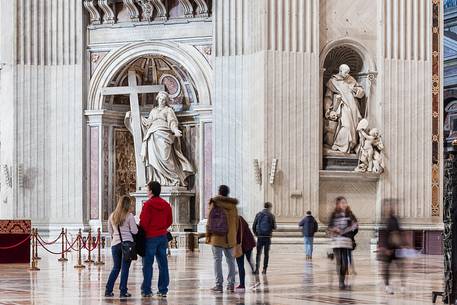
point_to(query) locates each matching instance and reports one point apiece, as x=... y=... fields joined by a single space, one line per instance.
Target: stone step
x=297 y=240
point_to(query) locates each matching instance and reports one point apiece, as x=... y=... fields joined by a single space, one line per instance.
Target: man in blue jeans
x=155 y=219
x=309 y=228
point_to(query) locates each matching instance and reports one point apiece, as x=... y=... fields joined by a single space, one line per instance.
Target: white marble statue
x=370 y=149
x=161 y=148
x=341 y=110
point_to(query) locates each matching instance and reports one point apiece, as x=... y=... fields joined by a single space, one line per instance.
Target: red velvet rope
x=51 y=242
x=16 y=245
x=71 y=245
x=97 y=242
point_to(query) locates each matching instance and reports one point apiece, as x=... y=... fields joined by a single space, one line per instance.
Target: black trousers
x=263 y=243
x=342 y=257
x=240 y=263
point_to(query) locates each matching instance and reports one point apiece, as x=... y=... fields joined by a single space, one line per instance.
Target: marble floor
x=290 y=280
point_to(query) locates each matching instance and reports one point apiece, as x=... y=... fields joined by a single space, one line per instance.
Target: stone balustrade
x=108 y=12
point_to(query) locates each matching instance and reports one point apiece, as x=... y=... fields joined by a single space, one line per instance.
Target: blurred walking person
x=263 y=226
x=121 y=226
x=342 y=227
x=391 y=244
x=221 y=231
x=246 y=243
x=309 y=227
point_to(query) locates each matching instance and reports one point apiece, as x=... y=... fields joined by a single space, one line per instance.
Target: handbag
x=238 y=249
x=128 y=248
x=169 y=236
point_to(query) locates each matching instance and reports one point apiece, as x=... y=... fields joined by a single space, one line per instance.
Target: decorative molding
x=161 y=9
x=202 y=8
x=187 y=7
x=91 y=7
x=108 y=13
x=436 y=107
x=148 y=9
x=133 y=10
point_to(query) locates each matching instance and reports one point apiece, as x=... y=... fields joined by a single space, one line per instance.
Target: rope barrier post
x=89 y=250
x=36 y=244
x=79 y=265
x=99 y=251
x=33 y=263
x=62 y=258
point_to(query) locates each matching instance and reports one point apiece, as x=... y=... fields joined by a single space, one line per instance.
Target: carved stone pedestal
x=183 y=205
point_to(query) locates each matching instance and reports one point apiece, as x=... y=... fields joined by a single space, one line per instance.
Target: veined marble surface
x=290 y=280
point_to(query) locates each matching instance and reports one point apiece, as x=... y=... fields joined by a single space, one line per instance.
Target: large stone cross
x=133 y=90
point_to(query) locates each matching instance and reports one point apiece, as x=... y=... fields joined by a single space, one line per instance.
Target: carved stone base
x=183 y=205
x=341 y=162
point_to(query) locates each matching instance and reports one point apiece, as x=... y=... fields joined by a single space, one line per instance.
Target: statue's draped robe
x=161 y=149
x=345 y=135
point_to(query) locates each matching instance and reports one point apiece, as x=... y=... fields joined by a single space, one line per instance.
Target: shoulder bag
x=128 y=248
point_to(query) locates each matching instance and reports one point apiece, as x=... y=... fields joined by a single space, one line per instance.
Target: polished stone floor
x=290 y=280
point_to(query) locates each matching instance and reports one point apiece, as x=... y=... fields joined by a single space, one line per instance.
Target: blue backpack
x=264 y=225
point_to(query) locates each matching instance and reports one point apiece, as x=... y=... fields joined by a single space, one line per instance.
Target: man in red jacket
x=155 y=219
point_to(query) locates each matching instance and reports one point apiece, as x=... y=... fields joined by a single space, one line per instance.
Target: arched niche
x=363 y=69
x=356 y=56
x=186 y=75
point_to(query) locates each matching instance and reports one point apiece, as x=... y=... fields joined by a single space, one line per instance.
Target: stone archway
x=106 y=131
x=192 y=60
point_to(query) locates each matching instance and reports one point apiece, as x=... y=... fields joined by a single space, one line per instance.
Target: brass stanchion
x=79 y=264
x=99 y=247
x=33 y=263
x=62 y=257
x=88 y=243
x=36 y=244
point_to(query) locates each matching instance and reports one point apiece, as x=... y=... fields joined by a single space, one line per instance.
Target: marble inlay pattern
x=290 y=280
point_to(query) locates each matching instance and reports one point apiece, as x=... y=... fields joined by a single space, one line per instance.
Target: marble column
x=266 y=103
x=42 y=44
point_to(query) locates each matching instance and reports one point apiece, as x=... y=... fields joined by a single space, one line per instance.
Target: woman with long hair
x=342 y=227
x=121 y=225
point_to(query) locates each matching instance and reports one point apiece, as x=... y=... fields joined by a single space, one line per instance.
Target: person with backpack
x=246 y=243
x=121 y=226
x=221 y=230
x=155 y=218
x=263 y=226
x=309 y=227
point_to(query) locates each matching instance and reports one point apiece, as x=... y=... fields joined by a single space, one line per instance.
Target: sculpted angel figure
x=161 y=148
x=370 y=151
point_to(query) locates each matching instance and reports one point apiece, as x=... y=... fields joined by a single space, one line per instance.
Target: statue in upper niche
x=161 y=148
x=342 y=111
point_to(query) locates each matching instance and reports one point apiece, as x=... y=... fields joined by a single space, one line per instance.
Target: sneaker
x=217 y=289
x=240 y=288
x=125 y=295
x=264 y=271
x=389 y=290
x=231 y=288
x=342 y=286
x=109 y=294
x=161 y=295
x=146 y=295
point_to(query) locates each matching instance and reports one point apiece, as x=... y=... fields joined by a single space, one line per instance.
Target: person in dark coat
x=263 y=227
x=309 y=227
x=246 y=239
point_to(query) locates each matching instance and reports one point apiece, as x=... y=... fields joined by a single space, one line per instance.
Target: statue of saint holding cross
x=161 y=147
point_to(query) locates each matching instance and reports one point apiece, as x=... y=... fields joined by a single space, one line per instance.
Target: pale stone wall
x=44 y=82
